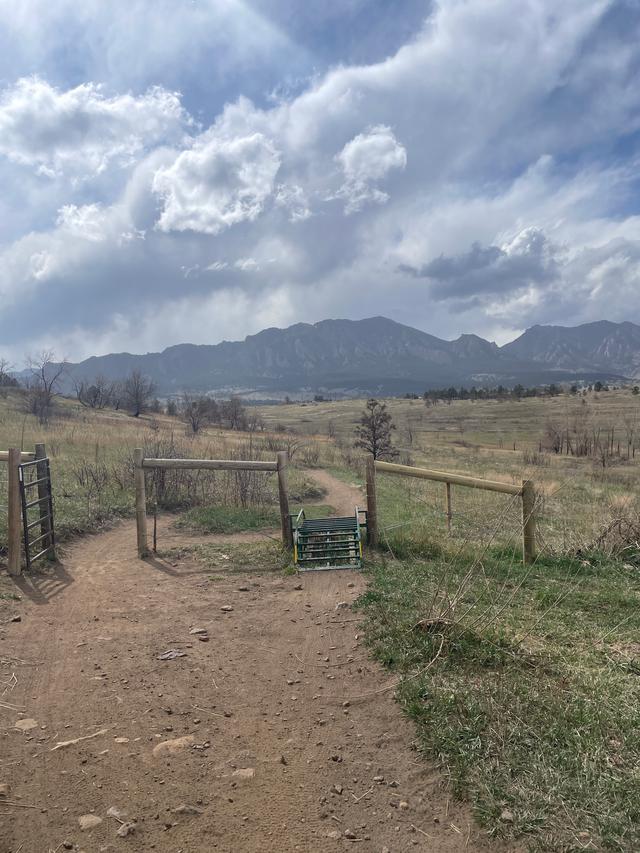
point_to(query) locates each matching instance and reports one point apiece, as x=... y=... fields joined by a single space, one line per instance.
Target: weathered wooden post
x=448 y=505
x=141 y=503
x=46 y=522
x=14 y=513
x=372 y=506
x=528 y=522
x=283 y=497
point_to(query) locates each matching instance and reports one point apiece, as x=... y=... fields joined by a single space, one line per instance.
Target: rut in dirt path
x=276 y=733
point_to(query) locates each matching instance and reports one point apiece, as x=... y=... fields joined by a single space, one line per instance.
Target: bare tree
x=233 y=414
x=137 y=391
x=43 y=384
x=197 y=411
x=6 y=379
x=95 y=395
x=374 y=431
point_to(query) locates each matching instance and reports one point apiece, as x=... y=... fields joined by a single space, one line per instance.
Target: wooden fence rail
x=143 y=464
x=209 y=464
x=526 y=491
x=24 y=457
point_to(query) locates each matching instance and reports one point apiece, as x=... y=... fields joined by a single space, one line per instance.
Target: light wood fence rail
x=526 y=491
x=142 y=464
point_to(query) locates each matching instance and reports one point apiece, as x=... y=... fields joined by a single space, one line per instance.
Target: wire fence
x=417 y=511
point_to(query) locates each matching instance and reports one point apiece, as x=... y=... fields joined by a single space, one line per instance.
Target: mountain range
x=377 y=356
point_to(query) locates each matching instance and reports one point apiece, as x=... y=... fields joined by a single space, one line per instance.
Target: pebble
x=226 y=608
x=244 y=773
x=26 y=725
x=198 y=631
x=89 y=821
x=5 y=789
x=349 y=833
x=171 y=746
x=185 y=808
x=126 y=829
x=116 y=812
x=336 y=789
x=506 y=816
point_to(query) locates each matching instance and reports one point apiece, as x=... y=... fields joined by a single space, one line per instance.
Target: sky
x=198 y=170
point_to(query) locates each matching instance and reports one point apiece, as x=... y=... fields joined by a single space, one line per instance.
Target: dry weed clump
x=620 y=535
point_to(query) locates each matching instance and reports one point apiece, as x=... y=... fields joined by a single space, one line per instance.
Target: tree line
x=134 y=393
x=501 y=392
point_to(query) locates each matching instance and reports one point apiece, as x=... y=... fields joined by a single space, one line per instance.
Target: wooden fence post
x=372 y=507
x=283 y=497
x=528 y=522
x=14 y=513
x=43 y=497
x=448 y=505
x=141 y=503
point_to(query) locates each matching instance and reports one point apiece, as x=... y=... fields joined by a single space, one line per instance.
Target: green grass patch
x=313 y=510
x=532 y=705
x=233 y=519
x=229 y=519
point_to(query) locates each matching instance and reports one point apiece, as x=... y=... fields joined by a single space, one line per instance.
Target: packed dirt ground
x=270 y=729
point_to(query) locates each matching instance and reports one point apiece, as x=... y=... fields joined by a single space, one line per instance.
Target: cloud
x=365 y=160
x=495 y=192
x=247 y=265
x=80 y=130
x=217 y=183
x=293 y=199
x=87 y=221
x=484 y=271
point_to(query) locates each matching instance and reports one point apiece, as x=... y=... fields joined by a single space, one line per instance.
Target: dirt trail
x=283 y=690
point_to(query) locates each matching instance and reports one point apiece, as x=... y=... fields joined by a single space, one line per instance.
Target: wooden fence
x=526 y=491
x=13 y=458
x=143 y=464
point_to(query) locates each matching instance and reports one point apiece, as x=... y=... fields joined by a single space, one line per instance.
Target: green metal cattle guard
x=328 y=543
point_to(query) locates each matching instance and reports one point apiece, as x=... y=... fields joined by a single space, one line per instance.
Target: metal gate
x=37 y=510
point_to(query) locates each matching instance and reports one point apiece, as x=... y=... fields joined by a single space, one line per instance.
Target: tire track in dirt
x=267 y=693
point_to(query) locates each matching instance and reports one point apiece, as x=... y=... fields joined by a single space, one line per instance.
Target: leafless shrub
x=535 y=458
x=619 y=536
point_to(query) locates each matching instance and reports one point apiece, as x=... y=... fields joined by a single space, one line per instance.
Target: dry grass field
x=91 y=456
x=578 y=497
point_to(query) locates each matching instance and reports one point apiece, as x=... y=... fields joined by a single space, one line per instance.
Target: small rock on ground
x=244 y=773
x=89 y=821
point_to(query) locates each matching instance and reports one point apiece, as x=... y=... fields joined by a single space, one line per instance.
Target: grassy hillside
x=92 y=465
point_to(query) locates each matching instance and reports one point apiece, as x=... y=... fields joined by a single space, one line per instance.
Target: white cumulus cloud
x=81 y=130
x=217 y=183
x=365 y=160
